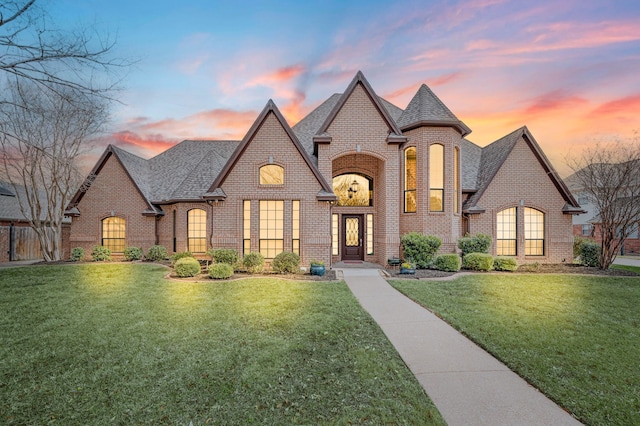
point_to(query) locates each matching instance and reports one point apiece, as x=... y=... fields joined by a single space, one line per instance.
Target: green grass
x=576 y=338
x=118 y=344
x=635 y=269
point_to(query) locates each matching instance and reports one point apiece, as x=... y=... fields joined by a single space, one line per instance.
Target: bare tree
x=42 y=133
x=609 y=176
x=32 y=48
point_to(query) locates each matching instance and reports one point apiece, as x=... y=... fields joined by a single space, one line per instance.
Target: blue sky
x=568 y=70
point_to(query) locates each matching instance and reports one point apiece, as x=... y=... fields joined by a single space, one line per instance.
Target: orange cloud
x=551 y=102
x=623 y=107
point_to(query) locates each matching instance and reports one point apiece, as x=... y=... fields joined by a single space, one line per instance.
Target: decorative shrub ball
x=220 y=271
x=187 y=267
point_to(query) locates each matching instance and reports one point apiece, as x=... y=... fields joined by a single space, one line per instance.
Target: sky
x=569 y=70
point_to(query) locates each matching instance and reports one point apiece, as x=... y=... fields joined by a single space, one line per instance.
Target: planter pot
x=409 y=271
x=317 y=270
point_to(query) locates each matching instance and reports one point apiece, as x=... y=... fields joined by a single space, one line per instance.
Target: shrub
x=478 y=262
x=503 y=263
x=478 y=243
x=286 y=262
x=187 y=267
x=447 y=262
x=220 y=271
x=101 y=254
x=227 y=256
x=133 y=253
x=577 y=245
x=420 y=249
x=253 y=262
x=180 y=255
x=156 y=253
x=589 y=251
x=77 y=254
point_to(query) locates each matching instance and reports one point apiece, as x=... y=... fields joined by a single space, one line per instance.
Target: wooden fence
x=23 y=243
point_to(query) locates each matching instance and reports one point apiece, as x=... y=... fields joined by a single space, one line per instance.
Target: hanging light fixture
x=353 y=188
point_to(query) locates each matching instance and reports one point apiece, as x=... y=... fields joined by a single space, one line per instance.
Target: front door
x=352 y=248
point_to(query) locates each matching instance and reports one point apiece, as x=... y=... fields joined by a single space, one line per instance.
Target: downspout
x=12 y=242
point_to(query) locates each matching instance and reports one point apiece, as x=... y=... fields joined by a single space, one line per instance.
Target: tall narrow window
x=271 y=228
x=410 y=180
x=506 y=232
x=174 y=224
x=456 y=180
x=271 y=174
x=369 y=233
x=533 y=232
x=113 y=234
x=334 y=234
x=436 y=178
x=295 y=227
x=246 y=227
x=197 y=230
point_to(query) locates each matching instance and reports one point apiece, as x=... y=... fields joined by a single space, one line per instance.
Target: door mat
x=357 y=262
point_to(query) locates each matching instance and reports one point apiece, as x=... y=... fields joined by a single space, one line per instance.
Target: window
x=113 y=234
x=197 y=230
x=633 y=234
x=410 y=180
x=295 y=227
x=436 y=178
x=369 y=233
x=533 y=232
x=271 y=228
x=334 y=234
x=353 y=190
x=456 y=180
x=246 y=227
x=271 y=174
x=506 y=232
x=586 y=230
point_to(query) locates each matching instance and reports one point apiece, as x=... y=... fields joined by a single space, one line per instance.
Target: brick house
x=345 y=183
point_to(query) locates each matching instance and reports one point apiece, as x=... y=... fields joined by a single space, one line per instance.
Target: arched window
x=410 y=180
x=506 y=232
x=533 y=232
x=456 y=180
x=353 y=189
x=436 y=178
x=197 y=230
x=113 y=234
x=271 y=174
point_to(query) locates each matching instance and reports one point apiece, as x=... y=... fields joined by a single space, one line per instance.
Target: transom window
x=410 y=180
x=506 y=232
x=533 y=232
x=353 y=189
x=113 y=234
x=271 y=174
x=436 y=178
x=197 y=230
x=271 y=228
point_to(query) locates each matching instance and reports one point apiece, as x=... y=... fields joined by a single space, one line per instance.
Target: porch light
x=353 y=188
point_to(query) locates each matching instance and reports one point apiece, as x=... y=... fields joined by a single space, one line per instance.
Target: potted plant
x=317 y=268
x=407 y=268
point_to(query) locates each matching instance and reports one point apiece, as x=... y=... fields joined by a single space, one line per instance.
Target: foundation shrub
x=478 y=243
x=100 y=254
x=228 y=256
x=133 y=253
x=77 y=254
x=447 y=262
x=503 y=263
x=156 y=253
x=420 y=249
x=286 y=263
x=589 y=252
x=180 y=255
x=187 y=267
x=220 y=271
x=253 y=262
x=478 y=262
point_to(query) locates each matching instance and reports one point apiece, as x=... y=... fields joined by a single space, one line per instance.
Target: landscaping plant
x=478 y=243
x=503 y=263
x=420 y=249
x=133 y=253
x=100 y=254
x=220 y=271
x=228 y=256
x=447 y=262
x=286 y=263
x=156 y=253
x=187 y=267
x=77 y=254
x=180 y=255
x=478 y=262
x=253 y=262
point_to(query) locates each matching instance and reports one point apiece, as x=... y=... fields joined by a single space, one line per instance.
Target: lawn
x=576 y=338
x=119 y=344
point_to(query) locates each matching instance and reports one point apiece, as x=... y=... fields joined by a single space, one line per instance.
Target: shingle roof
x=470 y=156
x=10 y=205
x=308 y=127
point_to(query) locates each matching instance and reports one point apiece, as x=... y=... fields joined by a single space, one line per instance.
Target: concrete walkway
x=467 y=385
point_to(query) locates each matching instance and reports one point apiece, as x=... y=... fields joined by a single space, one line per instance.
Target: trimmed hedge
x=101 y=254
x=77 y=254
x=180 y=255
x=133 y=253
x=220 y=271
x=286 y=263
x=447 y=262
x=253 y=262
x=478 y=243
x=187 y=267
x=478 y=262
x=420 y=249
x=228 y=256
x=589 y=252
x=156 y=253
x=503 y=263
